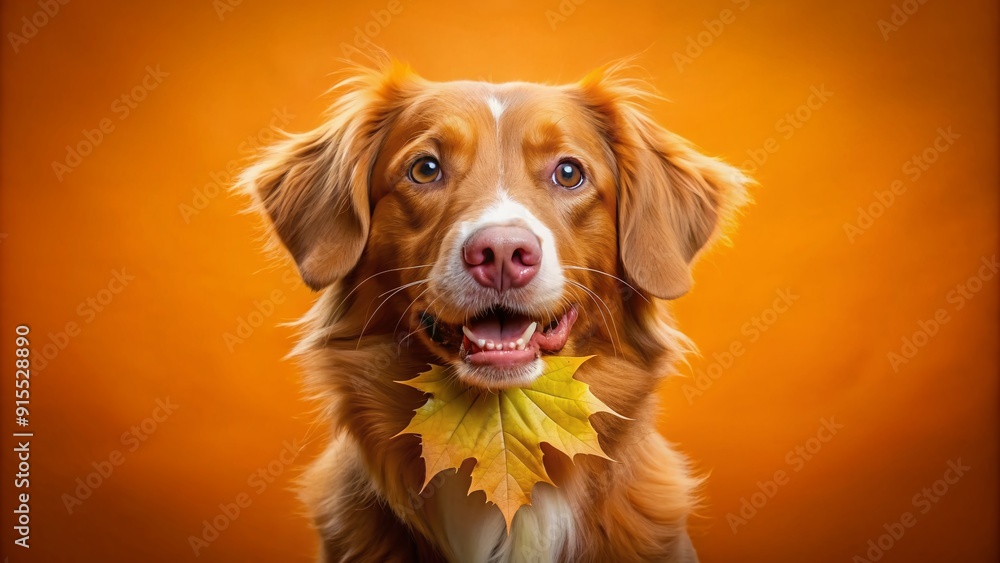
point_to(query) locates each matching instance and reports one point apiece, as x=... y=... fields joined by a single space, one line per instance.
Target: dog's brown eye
x=568 y=175
x=425 y=170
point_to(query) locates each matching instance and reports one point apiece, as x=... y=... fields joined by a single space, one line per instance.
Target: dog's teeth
x=490 y=345
x=520 y=343
x=500 y=346
x=528 y=332
x=511 y=345
x=481 y=342
x=472 y=337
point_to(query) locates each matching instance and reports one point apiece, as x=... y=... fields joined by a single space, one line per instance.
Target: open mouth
x=505 y=339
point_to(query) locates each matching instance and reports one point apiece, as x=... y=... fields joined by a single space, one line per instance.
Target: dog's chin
x=497 y=348
x=498 y=377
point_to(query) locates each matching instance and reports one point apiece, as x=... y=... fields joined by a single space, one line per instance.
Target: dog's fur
x=338 y=198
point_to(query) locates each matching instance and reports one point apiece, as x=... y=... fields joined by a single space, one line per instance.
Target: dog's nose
x=502 y=257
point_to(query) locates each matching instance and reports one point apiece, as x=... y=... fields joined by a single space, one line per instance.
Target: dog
x=442 y=220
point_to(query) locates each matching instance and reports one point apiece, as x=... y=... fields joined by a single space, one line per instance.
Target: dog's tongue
x=555 y=339
x=494 y=329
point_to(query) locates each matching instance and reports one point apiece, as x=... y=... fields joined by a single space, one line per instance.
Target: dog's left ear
x=672 y=200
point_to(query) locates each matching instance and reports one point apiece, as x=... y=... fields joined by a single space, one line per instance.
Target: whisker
x=594 y=297
x=630 y=286
x=408 y=308
x=601 y=311
x=405 y=285
x=358 y=286
x=400 y=345
x=384 y=301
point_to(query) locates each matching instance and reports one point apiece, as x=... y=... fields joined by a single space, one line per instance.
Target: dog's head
x=493 y=222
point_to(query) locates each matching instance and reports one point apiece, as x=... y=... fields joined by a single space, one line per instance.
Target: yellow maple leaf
x=503 y=430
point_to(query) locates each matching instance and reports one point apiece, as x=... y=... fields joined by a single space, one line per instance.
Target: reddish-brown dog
x=481 y=226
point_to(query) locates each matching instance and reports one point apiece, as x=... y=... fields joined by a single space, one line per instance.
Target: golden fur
x=336 y=199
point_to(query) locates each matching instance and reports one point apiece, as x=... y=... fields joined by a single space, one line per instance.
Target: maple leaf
x=503 y=430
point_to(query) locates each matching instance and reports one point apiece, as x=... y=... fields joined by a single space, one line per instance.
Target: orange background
x=826 y=356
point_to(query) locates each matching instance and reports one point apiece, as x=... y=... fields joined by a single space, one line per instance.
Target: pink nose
x=502 y=257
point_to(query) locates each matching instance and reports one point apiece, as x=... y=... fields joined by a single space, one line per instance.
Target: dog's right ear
x=314 y=187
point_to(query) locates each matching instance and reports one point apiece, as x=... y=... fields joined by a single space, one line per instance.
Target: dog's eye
x=568 y=175
x=425 y=170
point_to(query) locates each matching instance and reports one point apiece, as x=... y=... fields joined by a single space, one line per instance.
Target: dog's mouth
x=501 y=339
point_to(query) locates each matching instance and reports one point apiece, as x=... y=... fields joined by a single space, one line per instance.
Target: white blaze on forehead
x=496 y=107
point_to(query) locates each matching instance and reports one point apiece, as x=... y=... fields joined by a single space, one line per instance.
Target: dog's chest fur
x=472 y=531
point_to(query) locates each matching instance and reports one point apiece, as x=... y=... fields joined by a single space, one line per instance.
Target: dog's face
x=496 y=192
x=506 y=217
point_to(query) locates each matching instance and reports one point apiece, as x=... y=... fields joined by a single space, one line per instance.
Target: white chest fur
x=474 y=532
